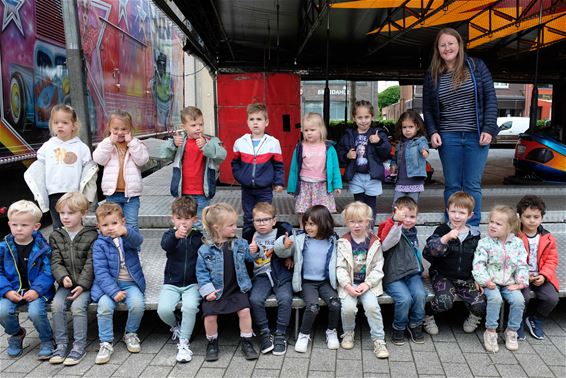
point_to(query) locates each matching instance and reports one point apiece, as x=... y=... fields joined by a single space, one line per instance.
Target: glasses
x=262 y=220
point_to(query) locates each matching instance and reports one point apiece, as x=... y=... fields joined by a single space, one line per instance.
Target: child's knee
x=244 y=313
x=349 y=308
x=334 y=304
x=36 y=313
x=189 y=307
x=313 y=308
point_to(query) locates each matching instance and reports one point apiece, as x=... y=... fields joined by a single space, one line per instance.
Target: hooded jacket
x=180 y=268
x=547 y=256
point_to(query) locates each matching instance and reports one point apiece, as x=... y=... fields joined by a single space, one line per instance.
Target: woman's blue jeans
x=463 y=161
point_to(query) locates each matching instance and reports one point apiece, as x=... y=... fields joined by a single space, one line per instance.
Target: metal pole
x=75 y=67
x=534 y=96
x=326 y=105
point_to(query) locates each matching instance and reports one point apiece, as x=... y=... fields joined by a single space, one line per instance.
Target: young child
x=359 y=271
x=500 y=268
x=271 y=276
x=63 y=165
x=197 y=160
x=542 y=258
x=364 y=150
x=411 y=153
x=181 y=244
x=450 y=250
x=402 y=270
x=314 y=256
x=315 y=172
x=223 y=279
x=118 y=277
x=258 y=163
x=71 y=264
x=122 y=156
x=25 y=278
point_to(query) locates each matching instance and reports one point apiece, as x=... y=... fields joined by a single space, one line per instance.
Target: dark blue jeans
x=463 y=161
x=250 y=197
x=262 y=289
x=409 y=295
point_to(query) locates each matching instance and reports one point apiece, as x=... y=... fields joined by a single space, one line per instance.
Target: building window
x=497 y=85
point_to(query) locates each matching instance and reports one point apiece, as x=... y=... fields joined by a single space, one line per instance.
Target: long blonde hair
x=315 y=119
x=438 y=66
x=510 y=214
x=215 y=217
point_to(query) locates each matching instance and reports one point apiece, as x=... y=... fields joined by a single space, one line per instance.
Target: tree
x=388 y=97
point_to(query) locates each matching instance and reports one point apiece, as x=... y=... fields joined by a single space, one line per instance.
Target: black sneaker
x=266 y=341
x=416 y=334
x=248 y=348
x=280 y=344
x=212 y=350
x=398 y=337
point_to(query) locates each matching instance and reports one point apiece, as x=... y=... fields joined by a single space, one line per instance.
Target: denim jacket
x=210 y=267
x=414 y=160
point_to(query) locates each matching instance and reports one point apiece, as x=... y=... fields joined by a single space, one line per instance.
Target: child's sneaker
x=347 y=340
x=16 y=342
x=416 y=334
x=302 y=343
x=104 y=353
x=132 y=342
x=380 y=349
x=279 y=344
x=490 y=341
x=471 y=323
x=266 y=341
x=212 y=350
x=58 y=355
x=429 y=325
x=175 y=331
x=534 y=324
x=74 y=357
x=398 y=337
x=248 y=348
x=521 y=335
x=332 y=341
x=184 y=354
x=511 y=340
x=45 y=350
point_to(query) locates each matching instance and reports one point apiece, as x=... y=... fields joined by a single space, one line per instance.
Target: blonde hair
x=462 y=200
x=438 y=65
x=316 y=120
x=190 y=113
x=264 y=207
x=25 y=207
x=75 y=201
x=108 y=208
x=69 y=110
x=510 y=214
x=257 y=108
x=357 y=210
x=123 y=116
x=216 y=215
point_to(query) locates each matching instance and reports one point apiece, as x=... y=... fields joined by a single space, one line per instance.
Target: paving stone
x=481 y=364
x=444 y=334
x=470 y=342
x=197 y=346
x=154 y=343
x=533 y=365
x=428 y=345
x=80 y=368
x=524 y=348
x=504 y=356
x=372 y=364
x=349 y=368
x=427 y=362
x=510 y=370
x=550 y=354
x=23 y=364
x=323 y=360
x=559 y=371
x=292 y=354
x=166 y=356
x=240 y=367
x=350 y=354
x=552 y=328
x=376 y=375
x=269 y=361
x=153 y=371
x=45 y=369
x=211 y=373
x=295 y=367
x=321 y=374
x=402 y=369
x=399 y=352
x=456 y=369
x=134 y=365
x=559 y=342
x=265 y=373
x=449 y=352
x=10 y=375
x=105 y=370
x=189 y=369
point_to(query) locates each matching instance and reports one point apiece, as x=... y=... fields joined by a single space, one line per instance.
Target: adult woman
x=460 y=112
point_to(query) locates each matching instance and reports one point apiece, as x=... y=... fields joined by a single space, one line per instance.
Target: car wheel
x=17 y=101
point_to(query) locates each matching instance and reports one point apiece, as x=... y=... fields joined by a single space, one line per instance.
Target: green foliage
x=388 y=97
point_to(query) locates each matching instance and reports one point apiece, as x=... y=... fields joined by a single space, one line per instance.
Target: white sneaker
x=347 y=340
x=332 y=339
x=184 y=354
x=490 y=341
x=429 y=325
x=302 y=343
x=104 y=353
x=471 y=323
x=511 y=340
x=380 y=349
x=132 y=342
x=175 y=331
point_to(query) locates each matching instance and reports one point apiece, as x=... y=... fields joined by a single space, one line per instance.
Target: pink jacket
x=137 y=155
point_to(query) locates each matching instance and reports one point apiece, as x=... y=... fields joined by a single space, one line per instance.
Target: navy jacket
x=377 y=153
x=106 y=260
x=180 y=268
x=486 y=101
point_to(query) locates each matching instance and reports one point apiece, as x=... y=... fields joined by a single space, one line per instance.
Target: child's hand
x=67 y=282
x=181 y=232
x=178 y=138
x=289 y=263
x=375 y=137
x=351 y=154
x=120 y=296
x=200 y=142
x=490 y=285
x=30 y=295
x=425 y=153
x=113 y=138
x=278 y=188
x=13 y=296
x=338 y=191
x=398 y=215
x=121 y=230
x=128 y=137
x=75 y=293
x=362 y=288
x=453 y=234
x=212 y=296
x=515 y=287
x=351 y=291
x=538 y=280
x=253 y=246
x=287 y=242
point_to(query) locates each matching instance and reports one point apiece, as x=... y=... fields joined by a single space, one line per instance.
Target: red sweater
x=547 y=257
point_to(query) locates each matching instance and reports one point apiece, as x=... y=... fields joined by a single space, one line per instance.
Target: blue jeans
x=262 y=289
x=372 y=311
x=130 y=206
x=495 y=300
x=79 y=308
x=202 y=202
x=463 y=161
x=409 y=295
x=37 y=313
x=250 y=197
x=106 y=305
x=189 y=297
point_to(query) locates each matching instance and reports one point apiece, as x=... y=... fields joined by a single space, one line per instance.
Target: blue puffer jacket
x=210 y=267
x=106 y=261
x=486 y=101
x=39 y=267
x=376 y=155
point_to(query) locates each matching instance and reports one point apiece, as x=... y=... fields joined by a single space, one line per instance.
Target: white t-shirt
x=533 y=254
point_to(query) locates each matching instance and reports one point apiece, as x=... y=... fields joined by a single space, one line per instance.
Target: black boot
x=212 y=350
x=266 y=341
x=248 y=348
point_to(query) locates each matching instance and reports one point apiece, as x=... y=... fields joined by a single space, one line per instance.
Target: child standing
x=223 y=279
x=181 y=244
x=315 y=172
x=411 y=153
x=71 y=264
x=122 y=156
x=197 y=160
x=542 y=258
x=25 y=278
x=270 y=276
x=500 y=267
x=450 y=250
x=258 y=163
x=63 y=165
x=402 y=270
x=363 y=151
x=359 y=270
x=314 y=256
x=118 y=277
